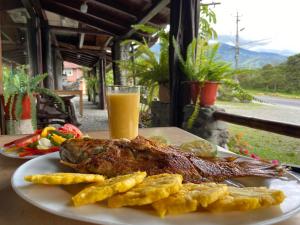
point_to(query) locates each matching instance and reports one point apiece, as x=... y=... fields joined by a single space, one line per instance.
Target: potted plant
x=19 y=100
x=150 y=68
x=205 y=71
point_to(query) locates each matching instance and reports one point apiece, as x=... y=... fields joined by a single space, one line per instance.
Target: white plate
x=56 y=200
x=15 y=155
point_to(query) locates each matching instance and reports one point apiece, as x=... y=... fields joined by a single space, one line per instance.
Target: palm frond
x=145 y=28
x=178 y=52
x=49 y=93
x=35 y=81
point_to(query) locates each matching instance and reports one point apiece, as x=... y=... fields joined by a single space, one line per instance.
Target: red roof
x=69 y=65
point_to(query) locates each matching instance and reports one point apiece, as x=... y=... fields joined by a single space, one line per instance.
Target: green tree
x=292 y=69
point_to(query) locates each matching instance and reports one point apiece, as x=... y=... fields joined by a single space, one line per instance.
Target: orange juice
x=123 y=114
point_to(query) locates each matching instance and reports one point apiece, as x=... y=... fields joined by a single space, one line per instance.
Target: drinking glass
x=123 y=105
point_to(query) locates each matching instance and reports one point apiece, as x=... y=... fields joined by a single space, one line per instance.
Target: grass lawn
x=268 y=145
x=239 y=105
x=277 y=94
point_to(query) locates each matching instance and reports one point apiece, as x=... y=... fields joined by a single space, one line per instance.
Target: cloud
x=275 y=20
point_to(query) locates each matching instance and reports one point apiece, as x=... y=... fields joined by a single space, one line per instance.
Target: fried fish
x=116 y=157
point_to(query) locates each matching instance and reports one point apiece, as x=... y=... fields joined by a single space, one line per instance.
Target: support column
x=116 y=56
x=57 y=69
x=88 y=90
x=119 y=52
x=101 y=84
x=54 y=61
x=94 y=73
x=184 y=20
x=47 y=56
x=34 y=46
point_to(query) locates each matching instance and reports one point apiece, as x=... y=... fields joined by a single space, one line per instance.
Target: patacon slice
x=159 y=139
x=64 y=178
x=190 y=197
x=201 y=148
x=98 y=192
x=248 y=198
x=152 y=189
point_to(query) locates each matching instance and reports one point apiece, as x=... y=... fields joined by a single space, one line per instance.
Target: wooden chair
x=49 y=111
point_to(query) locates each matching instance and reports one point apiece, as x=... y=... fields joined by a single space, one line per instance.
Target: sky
x=275 y=20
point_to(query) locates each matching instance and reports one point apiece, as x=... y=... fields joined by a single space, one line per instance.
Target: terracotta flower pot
x=164 y=93
x=26 y=110
x=207 y=90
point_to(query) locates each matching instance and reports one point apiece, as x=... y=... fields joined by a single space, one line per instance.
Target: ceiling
x=83 y=37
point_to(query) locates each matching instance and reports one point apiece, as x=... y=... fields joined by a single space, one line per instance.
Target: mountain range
x=247 y=58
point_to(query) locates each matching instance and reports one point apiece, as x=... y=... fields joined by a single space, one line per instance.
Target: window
x=68 y=72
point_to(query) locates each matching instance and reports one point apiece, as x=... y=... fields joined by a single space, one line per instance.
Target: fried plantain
x=152 y=189
x=106 y=189
x=64 y=178
x=247 y=198
x=190 y=197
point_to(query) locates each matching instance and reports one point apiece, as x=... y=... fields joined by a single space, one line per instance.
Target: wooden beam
x=114 y=6
x=81 y=36
x=14 y=26
x=9 y=5
x=89 y=48
x=29 y=8
x=153 y=11
x=81 y=56
x=107 y=42
x=104 y=13
x=77 y=30
x=98 y=13
x=79 y=62
x=77 y=15
x=83 y=51
x=39 y=11
x=287 y=129
x=16 y=53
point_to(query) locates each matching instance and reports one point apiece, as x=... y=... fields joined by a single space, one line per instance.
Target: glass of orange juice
x=123 y=105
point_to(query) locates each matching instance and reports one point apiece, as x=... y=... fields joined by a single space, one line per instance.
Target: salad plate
x=44 y=141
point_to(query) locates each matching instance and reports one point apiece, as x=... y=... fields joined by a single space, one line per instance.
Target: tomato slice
x=29 y=140
x=71 y=129
x=24 y=140
x=33 y=151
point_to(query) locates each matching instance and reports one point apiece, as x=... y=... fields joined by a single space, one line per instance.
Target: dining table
x=16 y=211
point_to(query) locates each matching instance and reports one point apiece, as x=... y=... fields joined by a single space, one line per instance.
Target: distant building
x=73 y=77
